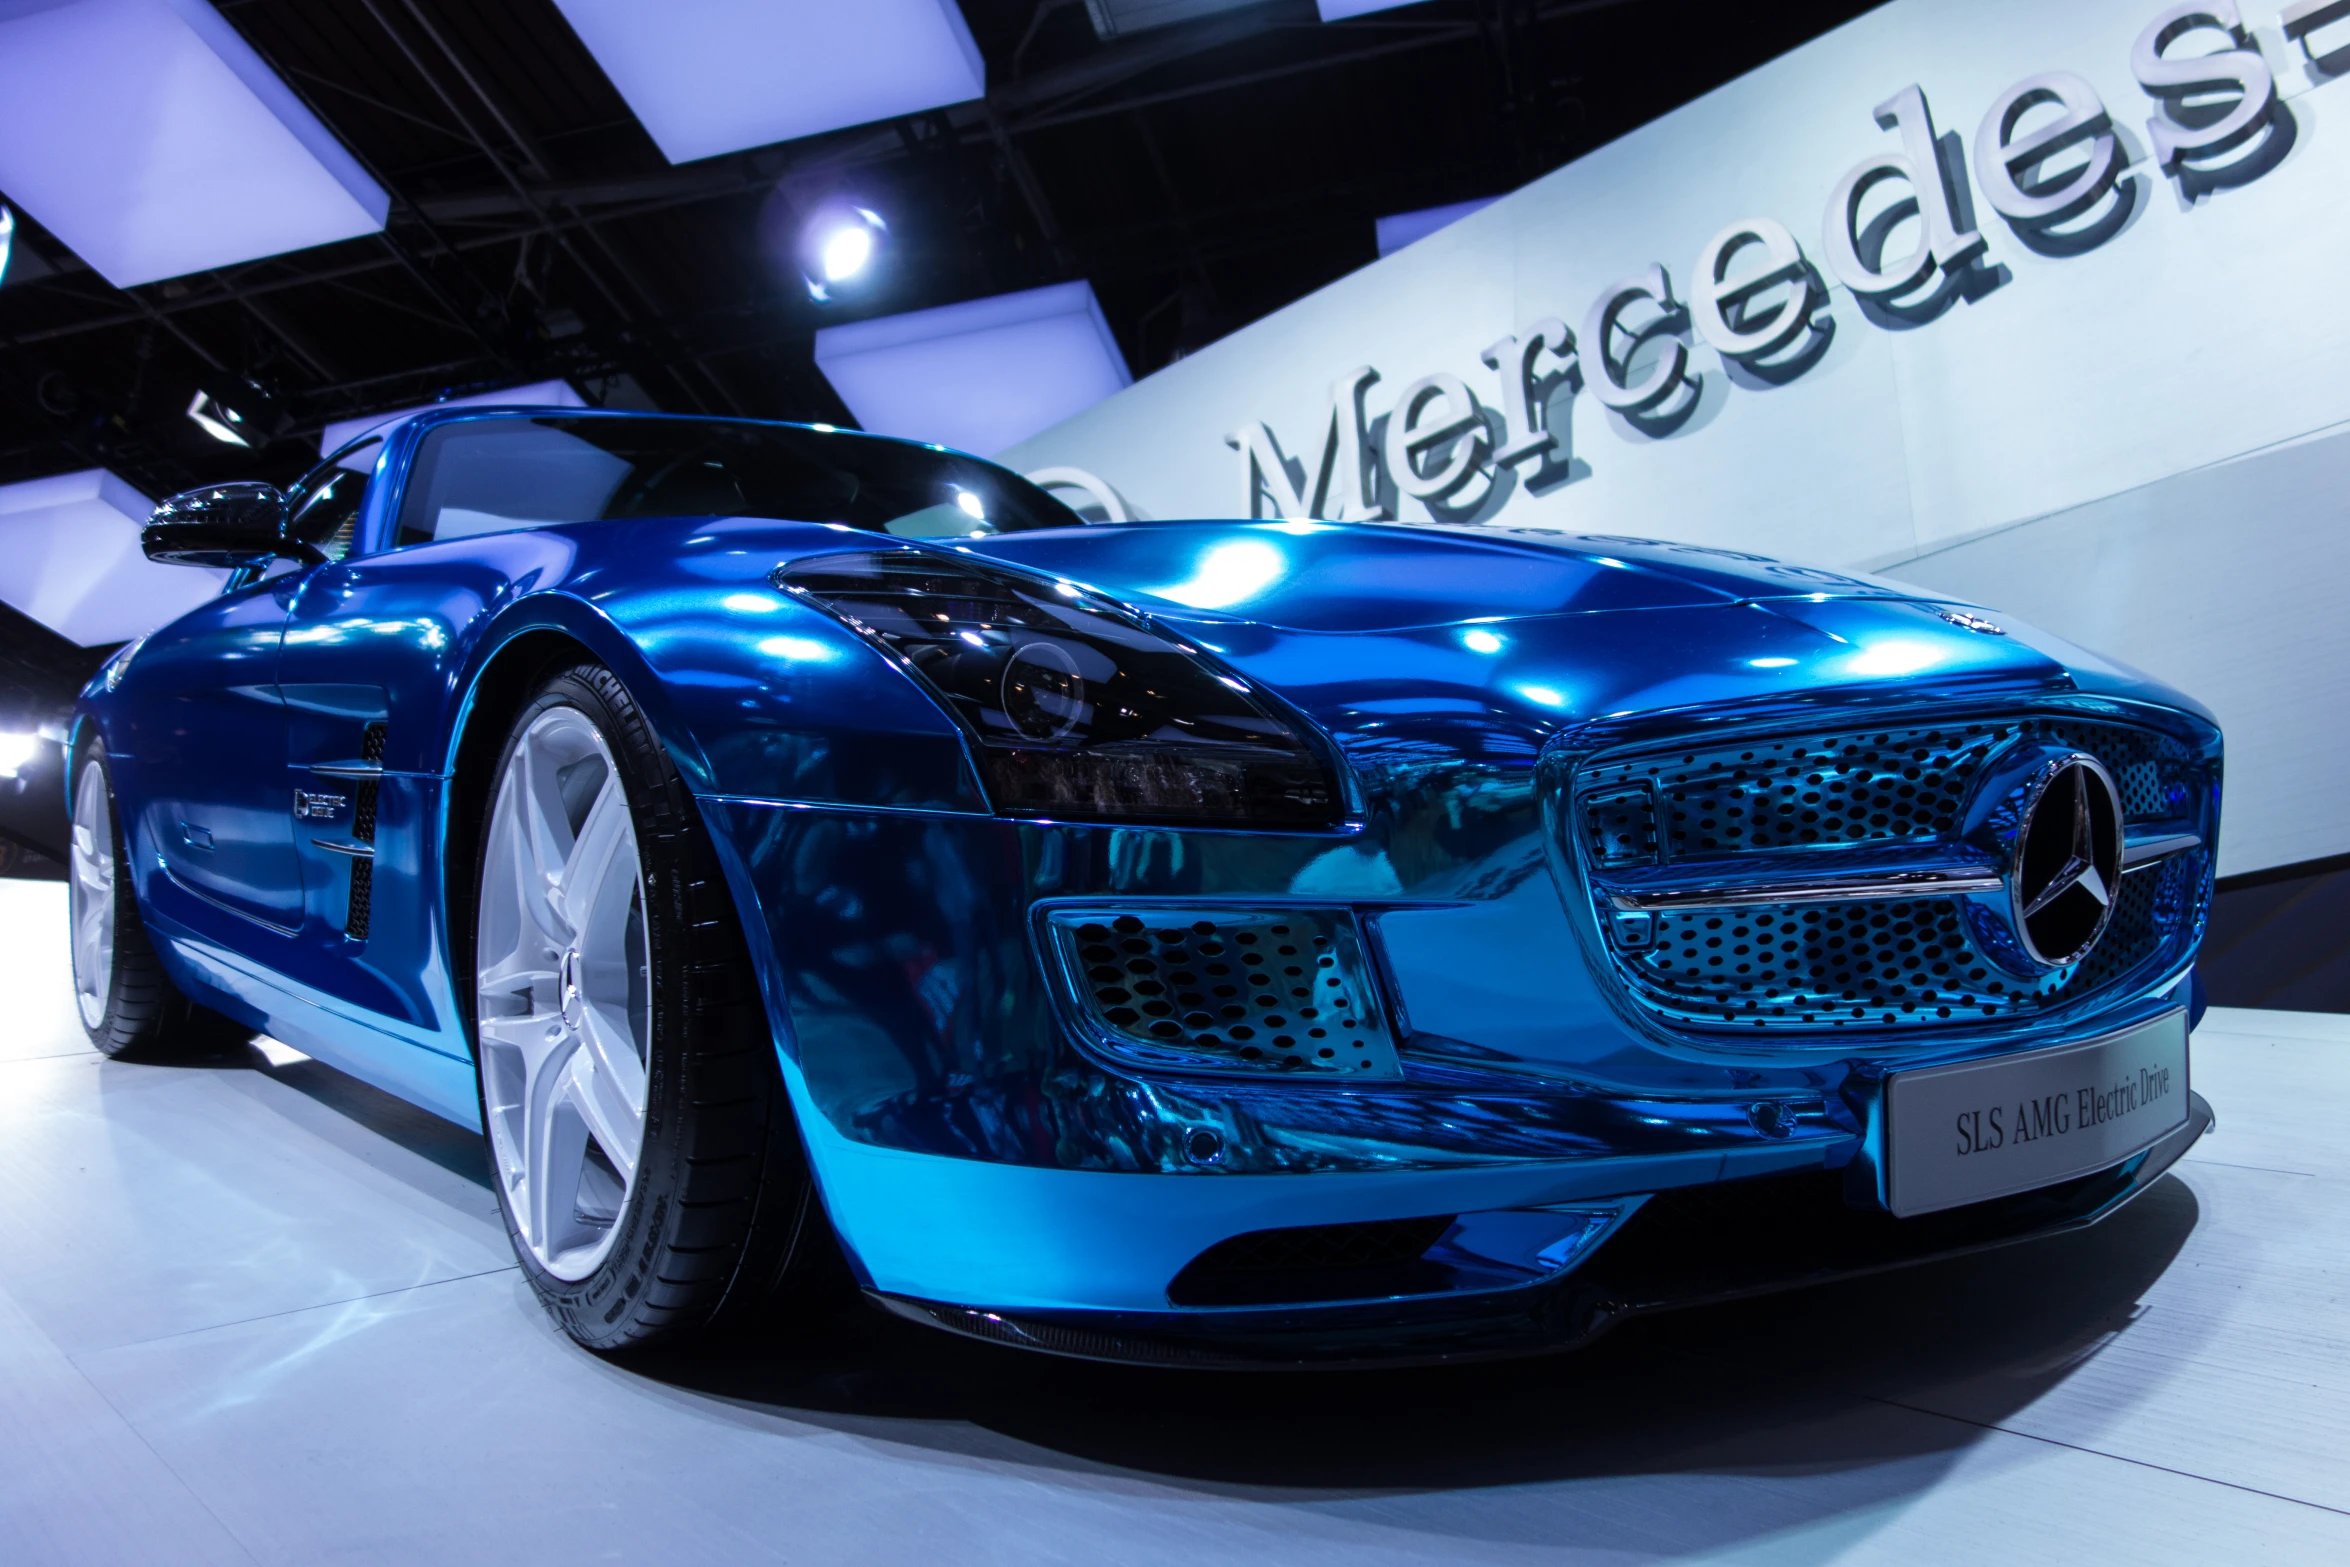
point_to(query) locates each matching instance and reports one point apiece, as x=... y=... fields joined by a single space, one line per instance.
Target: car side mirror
x=232 y=525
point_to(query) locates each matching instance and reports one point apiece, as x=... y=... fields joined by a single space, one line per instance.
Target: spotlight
x=846 y=253
x=217 y=419
x=237 y=414
x=15 y=751
x=838 y=247
x=7 y=237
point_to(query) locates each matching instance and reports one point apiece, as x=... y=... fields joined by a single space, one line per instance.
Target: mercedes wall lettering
x=2050 y=160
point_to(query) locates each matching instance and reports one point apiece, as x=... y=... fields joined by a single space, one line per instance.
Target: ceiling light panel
x=1340 y=10
x=149 y=137
x=70 y=558
x=713 y=76
x=978 y=376
x=539 y=394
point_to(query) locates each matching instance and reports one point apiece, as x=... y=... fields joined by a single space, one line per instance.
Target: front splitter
x=1695 y=1246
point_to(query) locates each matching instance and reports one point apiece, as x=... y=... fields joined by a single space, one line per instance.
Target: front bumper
x=1693 y=1246
x=987 y=1170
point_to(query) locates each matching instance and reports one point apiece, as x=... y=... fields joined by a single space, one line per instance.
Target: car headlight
x=1078 y=707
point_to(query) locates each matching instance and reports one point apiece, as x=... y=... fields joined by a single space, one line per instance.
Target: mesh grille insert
x=1253 y=990
x=1849 y=786
x=1833 y=965
x=1839 y=966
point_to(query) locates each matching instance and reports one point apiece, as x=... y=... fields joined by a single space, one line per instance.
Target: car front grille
x=1895 y=965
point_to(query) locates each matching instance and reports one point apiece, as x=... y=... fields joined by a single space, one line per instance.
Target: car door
x=199 y=765
x=369 y=651
x=208 y=732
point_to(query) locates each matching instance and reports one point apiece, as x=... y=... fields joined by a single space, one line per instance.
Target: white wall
x=539 y=394
x=70 y=558
x=2074 y=444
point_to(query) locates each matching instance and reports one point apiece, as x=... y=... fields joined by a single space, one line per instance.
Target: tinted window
x=325 y=505
x=493 y=475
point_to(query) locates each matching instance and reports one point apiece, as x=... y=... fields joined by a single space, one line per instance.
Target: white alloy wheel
x=90 y=902
x=564 y=1002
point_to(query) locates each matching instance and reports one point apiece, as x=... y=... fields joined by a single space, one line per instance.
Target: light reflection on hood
x=1227 y=575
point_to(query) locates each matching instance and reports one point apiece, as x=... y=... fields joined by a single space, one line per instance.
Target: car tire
x=608 y=1008
x=129 y=1006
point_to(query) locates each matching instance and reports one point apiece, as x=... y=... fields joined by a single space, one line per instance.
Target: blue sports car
x=1203 y=942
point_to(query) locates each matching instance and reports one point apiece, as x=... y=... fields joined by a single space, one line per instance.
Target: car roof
x=433 y=418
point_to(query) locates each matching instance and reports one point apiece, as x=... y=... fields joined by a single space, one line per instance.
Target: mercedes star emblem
x=1972 y=622
x=2068 y=858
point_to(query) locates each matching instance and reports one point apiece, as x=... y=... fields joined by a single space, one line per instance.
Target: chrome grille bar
x=1859 y=889
x=2140 y=850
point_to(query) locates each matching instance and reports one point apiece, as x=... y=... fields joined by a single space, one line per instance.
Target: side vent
x=371 y=749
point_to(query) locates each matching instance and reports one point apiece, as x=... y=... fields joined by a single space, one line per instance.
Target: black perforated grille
x=1227 y=989
x=1849 y=786
x=371 y=749
x=362 y=897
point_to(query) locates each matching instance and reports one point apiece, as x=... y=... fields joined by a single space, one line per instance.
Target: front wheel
x=647 y=1163
x=129 y=1005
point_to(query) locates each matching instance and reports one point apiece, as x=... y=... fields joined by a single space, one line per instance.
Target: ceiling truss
x=1199 y=175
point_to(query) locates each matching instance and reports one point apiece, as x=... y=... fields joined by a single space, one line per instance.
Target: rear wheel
x=647 y=1163
x=129 y=1005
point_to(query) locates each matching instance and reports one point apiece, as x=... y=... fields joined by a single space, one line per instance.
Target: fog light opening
x=1203 y=1145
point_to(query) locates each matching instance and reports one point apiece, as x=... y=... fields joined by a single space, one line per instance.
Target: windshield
x=496 y=474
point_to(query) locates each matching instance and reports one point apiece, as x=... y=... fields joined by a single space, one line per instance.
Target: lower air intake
x=1313 y=1247
x=1232 y=990
x=1314 y=1262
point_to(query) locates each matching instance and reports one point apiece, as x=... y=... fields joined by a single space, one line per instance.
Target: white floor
x=256 y=1312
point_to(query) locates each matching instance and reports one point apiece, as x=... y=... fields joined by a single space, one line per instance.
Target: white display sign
x=2015 y=1123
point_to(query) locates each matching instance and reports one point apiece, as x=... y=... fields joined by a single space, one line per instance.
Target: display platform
x=258 y=1312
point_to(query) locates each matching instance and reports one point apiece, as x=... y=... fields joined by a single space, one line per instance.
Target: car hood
x=1388 y=629
x=1446 y=635
x=1316 y=576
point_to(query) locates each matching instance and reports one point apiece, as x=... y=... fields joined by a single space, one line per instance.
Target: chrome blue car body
x=1527 y=731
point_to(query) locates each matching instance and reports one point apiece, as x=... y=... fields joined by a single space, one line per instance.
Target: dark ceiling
x=1201 y=175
